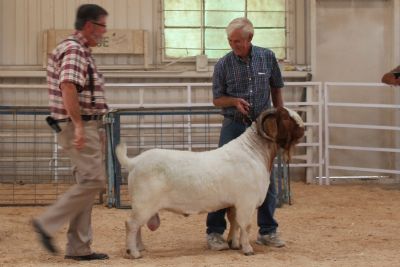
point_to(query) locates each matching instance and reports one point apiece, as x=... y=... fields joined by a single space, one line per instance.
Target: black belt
x=241 y=119
x=84 y=118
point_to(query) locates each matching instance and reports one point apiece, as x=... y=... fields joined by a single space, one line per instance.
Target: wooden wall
x=22 y=23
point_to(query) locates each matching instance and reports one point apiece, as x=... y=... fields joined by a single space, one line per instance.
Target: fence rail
x=329 y=126
x=304 y=97
x=30 y=155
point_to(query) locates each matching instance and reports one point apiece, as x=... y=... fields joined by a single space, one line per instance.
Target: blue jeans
x=216 y=222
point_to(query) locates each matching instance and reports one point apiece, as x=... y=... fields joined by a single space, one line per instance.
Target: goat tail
x=123 y=159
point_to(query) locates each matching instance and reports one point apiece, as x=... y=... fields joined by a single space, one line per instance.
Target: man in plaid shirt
x=243 y=81
x=77 y=104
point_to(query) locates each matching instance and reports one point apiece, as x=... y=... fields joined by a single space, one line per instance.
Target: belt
x=84 y=118
x=241 y=119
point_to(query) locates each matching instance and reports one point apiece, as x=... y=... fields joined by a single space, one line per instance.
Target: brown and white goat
x=235 y=176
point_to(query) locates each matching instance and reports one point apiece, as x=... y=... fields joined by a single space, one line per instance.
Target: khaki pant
x=75 y=206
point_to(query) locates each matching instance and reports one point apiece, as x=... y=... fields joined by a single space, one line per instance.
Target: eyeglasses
x=99 y=24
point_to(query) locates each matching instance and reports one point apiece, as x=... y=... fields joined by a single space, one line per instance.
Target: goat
x=234 y=176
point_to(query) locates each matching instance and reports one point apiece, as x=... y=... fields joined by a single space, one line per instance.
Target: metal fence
x=185 y=128
x=378 y=132
x=304 y=97
x=33 y=170
x=193 y=129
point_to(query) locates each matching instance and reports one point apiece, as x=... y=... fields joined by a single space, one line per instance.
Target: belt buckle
x=243 y=119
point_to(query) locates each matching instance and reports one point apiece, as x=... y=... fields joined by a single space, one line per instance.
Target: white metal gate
x=364 y=126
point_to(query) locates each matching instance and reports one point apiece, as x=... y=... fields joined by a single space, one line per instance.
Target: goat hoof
x=130 y=255
x=249 y=253
x=233 y=246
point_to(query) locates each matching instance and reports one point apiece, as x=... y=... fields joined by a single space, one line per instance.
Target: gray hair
x=243 y=24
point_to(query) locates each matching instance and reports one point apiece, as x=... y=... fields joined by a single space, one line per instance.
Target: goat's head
x=281 y=126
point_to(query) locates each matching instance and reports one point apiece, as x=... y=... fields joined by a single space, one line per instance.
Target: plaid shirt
x=251 y=81
x=69 y=63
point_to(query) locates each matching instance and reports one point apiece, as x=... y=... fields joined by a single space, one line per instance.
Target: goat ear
x=284 y=125
x=289 y=130
x=298 y=132
x=294 y=137
x=267 y=126
x=295 y=126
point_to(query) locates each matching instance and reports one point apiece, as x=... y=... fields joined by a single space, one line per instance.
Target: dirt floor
x=337 y=225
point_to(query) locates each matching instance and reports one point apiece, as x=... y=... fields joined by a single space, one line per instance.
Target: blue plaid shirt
x=251 y=81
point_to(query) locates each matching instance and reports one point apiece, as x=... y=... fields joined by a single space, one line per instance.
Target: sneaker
x=271 y=240
x=216 y=242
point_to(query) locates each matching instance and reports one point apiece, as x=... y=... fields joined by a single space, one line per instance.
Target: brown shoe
x=90 y=257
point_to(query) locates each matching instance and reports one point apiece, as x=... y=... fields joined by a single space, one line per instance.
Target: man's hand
x=227 y=101
x=242 y=105
x=390 y=77
x=391 y=80
x=79 y=140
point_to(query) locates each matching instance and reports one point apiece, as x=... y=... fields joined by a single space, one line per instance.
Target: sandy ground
x=339 y=225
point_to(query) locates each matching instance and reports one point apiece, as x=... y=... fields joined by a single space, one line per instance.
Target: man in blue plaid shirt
x=243 y=81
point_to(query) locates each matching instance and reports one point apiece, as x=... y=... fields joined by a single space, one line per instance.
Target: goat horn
x=294 y=115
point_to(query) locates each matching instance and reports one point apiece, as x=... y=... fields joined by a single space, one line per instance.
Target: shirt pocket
x=263 y=71
x=263 y=75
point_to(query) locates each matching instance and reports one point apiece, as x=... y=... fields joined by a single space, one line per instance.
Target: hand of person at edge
x=393 y=81
x=242 y=105
x=79 y=140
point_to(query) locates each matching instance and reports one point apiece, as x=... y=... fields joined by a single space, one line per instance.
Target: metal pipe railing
x=328 y=125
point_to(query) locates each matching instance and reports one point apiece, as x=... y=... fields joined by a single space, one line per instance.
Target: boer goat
x=235 y=176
